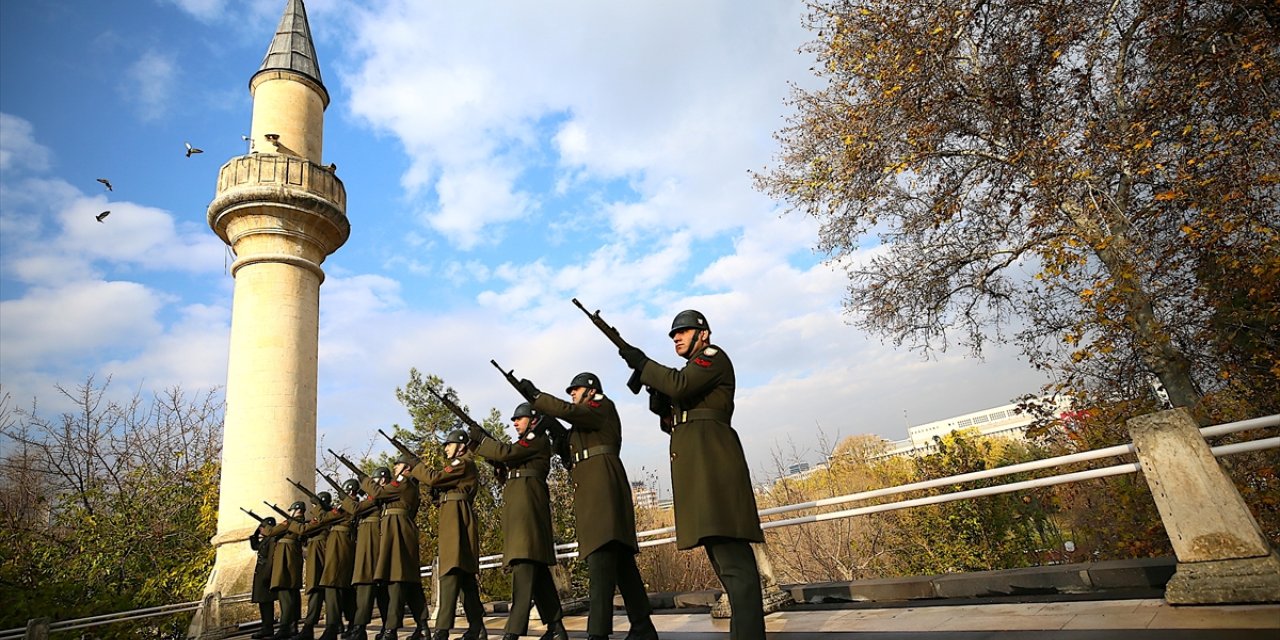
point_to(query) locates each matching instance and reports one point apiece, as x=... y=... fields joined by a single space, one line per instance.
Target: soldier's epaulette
x=710 y=352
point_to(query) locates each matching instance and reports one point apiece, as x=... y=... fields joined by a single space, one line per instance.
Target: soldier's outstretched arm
x=512 y=453
x=583 y=417
x=700 y=373
x=444 y=478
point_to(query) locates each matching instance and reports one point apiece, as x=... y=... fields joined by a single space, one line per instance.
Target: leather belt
x=604 y=449
x=340 y=527
x=395 y=512
x=522 y=473
x=717 y=415
x=455 y=496
x=287 y=540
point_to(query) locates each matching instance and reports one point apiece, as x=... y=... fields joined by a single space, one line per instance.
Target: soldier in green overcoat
x=529 y=545
x=265 y=547
x=313 y=534
x=364 y=568
x=339 y=557
x=399 y=556
x=454 y=488
x=715 y=507
x=602 y=506
x=286 y=571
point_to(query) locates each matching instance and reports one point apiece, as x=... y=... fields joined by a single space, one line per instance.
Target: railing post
x=1223 y=556
x=37 y=629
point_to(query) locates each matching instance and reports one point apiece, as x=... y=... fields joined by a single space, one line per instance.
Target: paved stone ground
x=1125 y=619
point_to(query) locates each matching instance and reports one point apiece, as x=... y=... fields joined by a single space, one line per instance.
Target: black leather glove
x=527 y=389
x=659 y=403
x=635 y=358
x=476 y=433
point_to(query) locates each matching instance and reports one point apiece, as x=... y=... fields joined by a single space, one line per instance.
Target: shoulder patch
x=702 y=362
x=456 y=461
x=710 y=351
x=530 y=435
x=448 y=469
x=524 y=443
x=593 y=404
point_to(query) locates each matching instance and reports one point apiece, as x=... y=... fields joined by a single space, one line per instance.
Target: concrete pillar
x=37 y=629
x=772 y=595
x=1223 y=556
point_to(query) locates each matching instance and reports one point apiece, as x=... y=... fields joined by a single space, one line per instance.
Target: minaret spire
x=291 y=49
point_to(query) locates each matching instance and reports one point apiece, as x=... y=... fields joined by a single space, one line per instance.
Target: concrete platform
x=1124 y=619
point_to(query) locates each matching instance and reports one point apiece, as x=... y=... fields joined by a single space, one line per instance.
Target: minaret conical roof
x=291 y=49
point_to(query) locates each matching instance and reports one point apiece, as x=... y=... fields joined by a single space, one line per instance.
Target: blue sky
x=499 y=159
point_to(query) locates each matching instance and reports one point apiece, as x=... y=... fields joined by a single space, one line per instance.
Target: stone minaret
x=281 y=210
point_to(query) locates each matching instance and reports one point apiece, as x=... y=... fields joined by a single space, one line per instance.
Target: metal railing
x=569 y=550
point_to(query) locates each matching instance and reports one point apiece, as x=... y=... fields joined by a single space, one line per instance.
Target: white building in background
x=642 y=495
x=1004 y=421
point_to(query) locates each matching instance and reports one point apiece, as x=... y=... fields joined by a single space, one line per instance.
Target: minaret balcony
x=267 y=190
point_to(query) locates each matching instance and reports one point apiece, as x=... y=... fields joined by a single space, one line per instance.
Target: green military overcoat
x=601 y=492
x=526 y=502
x=459 y=534
x=339 y=548
x=313 y=534
x=399 y=555
x=286 y=559
x=709 y=476
x=368 y=535
x=265 y=546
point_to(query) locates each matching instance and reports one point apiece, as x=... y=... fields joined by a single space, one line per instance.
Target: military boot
x=306 y=633
x=644 y=631
x=510 y=636
x=476 y=634
x=286 y=632
x=555 y=631
x=388 y=634
x=331 y=632
x=418 y=634
x=268 y=629
x=440 y=634
x=357 y=632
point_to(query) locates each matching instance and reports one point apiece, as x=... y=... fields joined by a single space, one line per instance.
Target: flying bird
x=101 y=216
x=106 y=183
x=191 y=149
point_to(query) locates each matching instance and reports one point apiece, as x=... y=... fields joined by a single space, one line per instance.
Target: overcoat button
x=673 y=455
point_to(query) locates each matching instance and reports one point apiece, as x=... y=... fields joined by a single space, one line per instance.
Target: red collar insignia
x=448 y=469
x=701 y=362
x=524 y=443
x=593 y=404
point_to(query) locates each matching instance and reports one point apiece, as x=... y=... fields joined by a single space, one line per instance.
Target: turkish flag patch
x=701 y=362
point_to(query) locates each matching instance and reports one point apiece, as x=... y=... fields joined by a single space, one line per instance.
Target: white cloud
x=56 y=324
x=473 y=199
x=150 y=84
x=19 y=150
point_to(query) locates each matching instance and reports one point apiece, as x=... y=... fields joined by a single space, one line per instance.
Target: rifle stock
x=284 y=514
x=360 y=474
x=633 y=382
x=333 y=483
x=315 y=499
x=400 y=446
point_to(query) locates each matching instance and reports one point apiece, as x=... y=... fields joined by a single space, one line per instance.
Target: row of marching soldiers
x=363 y=549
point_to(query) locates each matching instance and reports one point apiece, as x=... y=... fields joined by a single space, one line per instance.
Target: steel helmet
x=523 y=410
x=298 y=506
x=351 y=485
x=457 y=436
x=688 y=319
x=382 y=473
x=584 y=379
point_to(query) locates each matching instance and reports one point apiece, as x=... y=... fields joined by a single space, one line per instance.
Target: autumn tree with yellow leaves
x=1096 y=180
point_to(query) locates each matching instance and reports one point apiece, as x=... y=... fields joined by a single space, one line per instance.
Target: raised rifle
x=404 y=450
x=284 y=514
x=253 y=515
x=360 y=474
x=633 y=383
x=499 y=468
x=549 y=424
x=333 y=483
x=315 y=499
